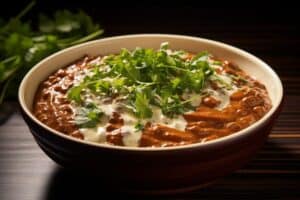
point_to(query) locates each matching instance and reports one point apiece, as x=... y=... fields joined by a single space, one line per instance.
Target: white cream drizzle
x=195 y=98
x=131 y=136
x=97 y=134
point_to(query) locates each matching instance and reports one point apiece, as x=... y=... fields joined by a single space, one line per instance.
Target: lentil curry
x=150 y=98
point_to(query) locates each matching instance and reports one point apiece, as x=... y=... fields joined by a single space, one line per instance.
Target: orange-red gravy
x=247 y=105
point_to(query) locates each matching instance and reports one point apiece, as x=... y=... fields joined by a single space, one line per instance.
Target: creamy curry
x=150 y=98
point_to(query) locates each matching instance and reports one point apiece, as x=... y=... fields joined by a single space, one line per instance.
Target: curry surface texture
x=247 y=104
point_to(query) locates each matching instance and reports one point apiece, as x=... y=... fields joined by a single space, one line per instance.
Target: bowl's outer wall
x=151 y=170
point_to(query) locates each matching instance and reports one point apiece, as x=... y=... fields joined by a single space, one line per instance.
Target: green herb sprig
x=22 y=45
x=88 y=116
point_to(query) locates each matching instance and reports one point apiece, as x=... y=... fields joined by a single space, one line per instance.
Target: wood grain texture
x=27 y=173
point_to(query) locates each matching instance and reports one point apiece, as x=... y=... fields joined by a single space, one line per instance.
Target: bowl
x=161 y=169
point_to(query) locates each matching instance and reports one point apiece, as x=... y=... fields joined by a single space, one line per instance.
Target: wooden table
x=26 y=173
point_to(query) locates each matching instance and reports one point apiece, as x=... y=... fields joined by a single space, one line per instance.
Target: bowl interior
x=251 y=64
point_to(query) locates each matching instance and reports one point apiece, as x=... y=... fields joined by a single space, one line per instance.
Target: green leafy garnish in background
x=22 y=45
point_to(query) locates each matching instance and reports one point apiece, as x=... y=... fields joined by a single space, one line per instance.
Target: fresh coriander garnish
x=142 y=108
x=147 y=78
x=87 y=116
x=139 y=126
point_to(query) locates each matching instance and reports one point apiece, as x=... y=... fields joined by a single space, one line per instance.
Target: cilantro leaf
x=139 y=126
x=88 y=116
x=172 y=105
x=142 y=106
x=75 y=93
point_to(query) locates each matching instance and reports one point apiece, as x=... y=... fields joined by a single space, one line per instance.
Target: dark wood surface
x=26 y=173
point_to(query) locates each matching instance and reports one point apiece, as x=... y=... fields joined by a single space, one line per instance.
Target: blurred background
x=269 y=30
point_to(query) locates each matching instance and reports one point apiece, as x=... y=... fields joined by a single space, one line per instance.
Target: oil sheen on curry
x=150 y=98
